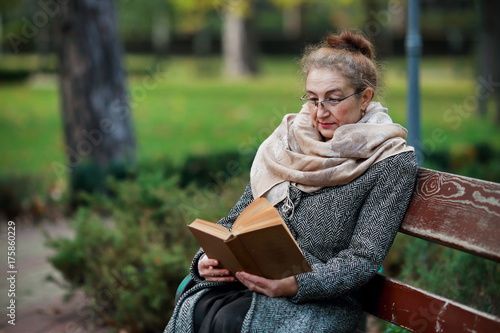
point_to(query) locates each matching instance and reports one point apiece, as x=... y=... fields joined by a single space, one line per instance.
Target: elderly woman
x=341 y=176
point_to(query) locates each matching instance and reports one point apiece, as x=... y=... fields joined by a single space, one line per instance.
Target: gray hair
x=350 y=54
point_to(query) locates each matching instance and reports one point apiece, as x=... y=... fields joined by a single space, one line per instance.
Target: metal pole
x=413 y=52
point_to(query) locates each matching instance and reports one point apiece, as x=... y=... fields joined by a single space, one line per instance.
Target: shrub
x=214 y=168
x=453 y=274
x=130 y=252
x=14 y=76
x=26 y=197
x=478 y=160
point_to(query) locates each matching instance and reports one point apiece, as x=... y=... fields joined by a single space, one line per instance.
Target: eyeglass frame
x=329 y=100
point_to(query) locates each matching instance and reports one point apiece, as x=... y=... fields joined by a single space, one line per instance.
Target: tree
x=160 y=28
x=96 y=115
x=292 y=16
x=489 y=79
x=239 y=45
x=195 y=20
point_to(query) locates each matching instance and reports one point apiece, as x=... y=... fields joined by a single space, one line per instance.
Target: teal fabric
x=182 y=287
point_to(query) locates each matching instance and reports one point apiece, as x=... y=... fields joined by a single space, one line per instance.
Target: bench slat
x=420 y=311
x=456 y=211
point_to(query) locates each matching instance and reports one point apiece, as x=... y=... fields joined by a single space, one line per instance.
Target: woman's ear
x=366 y=98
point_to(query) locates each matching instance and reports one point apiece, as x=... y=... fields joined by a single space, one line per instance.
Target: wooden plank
x=420 y=311
x=457 y=211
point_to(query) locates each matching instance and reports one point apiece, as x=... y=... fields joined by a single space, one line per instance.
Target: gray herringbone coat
x=344 y=231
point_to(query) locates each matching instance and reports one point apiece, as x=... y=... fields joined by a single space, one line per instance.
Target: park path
x=40 y=307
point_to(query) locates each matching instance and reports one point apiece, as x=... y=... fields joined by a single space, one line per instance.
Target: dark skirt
x=222 y=310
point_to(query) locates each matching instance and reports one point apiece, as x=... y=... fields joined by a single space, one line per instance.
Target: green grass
x=202 y=115
x=189 y=108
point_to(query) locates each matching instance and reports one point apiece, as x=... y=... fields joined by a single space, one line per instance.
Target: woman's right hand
x=209 y=269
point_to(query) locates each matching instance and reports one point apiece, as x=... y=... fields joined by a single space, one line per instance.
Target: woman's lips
x=326 y=125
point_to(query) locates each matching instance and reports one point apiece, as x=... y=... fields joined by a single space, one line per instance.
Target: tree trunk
x=489 y=78
x=42 y=47
x=238 y=39
x=202 y=43
x=1 y=34
x=96 y=115
x=292 y=21
x=160 y=30
x=482 y=102
x=378 y=19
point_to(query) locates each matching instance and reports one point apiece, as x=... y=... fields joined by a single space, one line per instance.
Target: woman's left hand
x=286 y=287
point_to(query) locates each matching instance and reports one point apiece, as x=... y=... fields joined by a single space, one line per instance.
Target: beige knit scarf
x=296 y=153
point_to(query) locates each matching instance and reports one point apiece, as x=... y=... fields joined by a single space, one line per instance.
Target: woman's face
x=326 y=84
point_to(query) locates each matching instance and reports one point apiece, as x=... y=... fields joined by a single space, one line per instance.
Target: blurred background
x=127 y=119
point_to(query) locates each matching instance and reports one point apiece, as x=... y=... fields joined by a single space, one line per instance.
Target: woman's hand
x=209 y=270
x=286 y=287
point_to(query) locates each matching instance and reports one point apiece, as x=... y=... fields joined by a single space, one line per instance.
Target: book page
x=259 y=214
x=211 y=228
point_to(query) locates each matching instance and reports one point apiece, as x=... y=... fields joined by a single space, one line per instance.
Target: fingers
x=215 y=272
x=286 y=287
x=208 y=269
x=254 y=283
x=206 y=266
x=206 y=262
x=217 y=275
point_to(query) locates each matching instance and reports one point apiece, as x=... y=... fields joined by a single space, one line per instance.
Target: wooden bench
x=459 y=212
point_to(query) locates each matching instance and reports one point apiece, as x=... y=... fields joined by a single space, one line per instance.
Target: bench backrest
x=456 y=211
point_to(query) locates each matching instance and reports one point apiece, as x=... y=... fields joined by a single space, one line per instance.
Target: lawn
x=182 y=106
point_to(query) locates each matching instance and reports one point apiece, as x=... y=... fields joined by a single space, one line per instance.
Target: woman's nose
x=322 y=112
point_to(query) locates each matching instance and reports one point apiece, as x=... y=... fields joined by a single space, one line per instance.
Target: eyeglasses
x=328 y=103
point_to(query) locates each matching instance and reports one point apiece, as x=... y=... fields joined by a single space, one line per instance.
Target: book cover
x=259 y=243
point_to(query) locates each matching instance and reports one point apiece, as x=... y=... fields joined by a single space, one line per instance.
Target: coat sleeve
x=376 y=227
x=227 y=222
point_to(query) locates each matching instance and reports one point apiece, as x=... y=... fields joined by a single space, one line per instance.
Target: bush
x=477 y=160
x=450 y=273
x=453 y=274
x=215 y=168
x=131 y=262
x=13 y=76
x=26 y=197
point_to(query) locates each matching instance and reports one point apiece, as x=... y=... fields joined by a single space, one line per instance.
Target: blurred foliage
x=24 y=196
x=131 y=250
x=137 y=19
x=455 y=275
x=203 y=170
x=477 y=160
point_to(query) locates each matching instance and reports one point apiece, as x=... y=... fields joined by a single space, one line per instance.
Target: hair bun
x=351 y=41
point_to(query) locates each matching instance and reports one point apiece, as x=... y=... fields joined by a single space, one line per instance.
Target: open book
x=259 y=243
